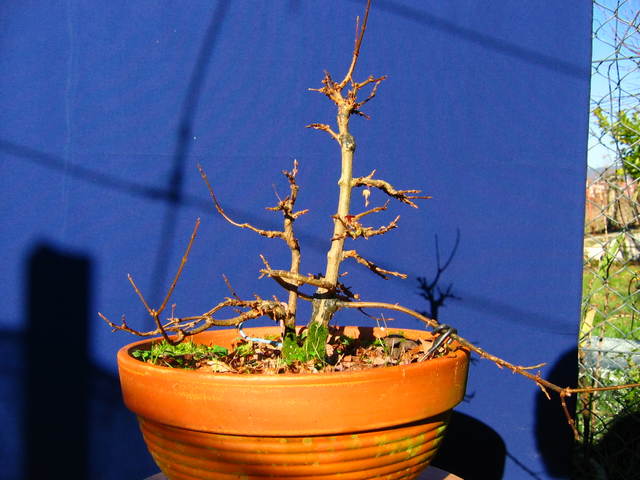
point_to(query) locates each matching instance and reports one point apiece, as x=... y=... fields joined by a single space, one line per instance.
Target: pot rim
x=264 y=404
x=125 y=356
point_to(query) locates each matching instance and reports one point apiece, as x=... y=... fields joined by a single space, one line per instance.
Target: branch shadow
x=431 y=291
x=471 y=460
x=485 y=460
x=554 y=438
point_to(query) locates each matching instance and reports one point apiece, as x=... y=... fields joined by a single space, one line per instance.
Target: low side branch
x=188 y=326
x=156 y=313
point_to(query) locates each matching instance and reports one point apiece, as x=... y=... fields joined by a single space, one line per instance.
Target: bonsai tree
x=330 y=294
x=326 y=292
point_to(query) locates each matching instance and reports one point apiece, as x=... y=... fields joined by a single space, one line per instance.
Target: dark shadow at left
x=72 y=412
x=57 y=369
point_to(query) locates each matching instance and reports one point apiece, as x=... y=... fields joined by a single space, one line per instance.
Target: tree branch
x=354 y=229
x=326 y=128
x=264 y=233
x=371 y=266
x=356 y=51
x=297 y=279
x=387 y=188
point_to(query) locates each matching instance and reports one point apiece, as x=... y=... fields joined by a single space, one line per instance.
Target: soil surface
x=342 y=354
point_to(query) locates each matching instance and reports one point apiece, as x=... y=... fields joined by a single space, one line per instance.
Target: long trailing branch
x=432 y=323
x=563 y=392
x=279 y=311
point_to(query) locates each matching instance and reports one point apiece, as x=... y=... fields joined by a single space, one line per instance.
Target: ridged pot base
x=395 y=453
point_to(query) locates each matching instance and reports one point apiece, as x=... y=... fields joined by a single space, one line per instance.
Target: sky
x=600 y=153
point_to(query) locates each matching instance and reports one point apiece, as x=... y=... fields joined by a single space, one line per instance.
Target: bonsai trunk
x=325 y=305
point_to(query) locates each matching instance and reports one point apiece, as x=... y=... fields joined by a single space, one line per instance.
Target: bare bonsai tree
x=330 y=295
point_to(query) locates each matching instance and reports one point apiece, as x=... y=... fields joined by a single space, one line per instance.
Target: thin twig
x=265 y=233
x=229 y=285
x=348 y=77
x=184 y=260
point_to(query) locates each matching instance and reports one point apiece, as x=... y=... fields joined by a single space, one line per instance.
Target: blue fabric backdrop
x=108 y=107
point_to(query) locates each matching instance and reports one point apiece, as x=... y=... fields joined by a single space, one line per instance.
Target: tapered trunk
x=324 y=306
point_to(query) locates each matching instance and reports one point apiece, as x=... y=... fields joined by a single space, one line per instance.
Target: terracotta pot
x=385 y=422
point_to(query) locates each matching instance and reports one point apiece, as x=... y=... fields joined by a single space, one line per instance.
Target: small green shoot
x=183 y=355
